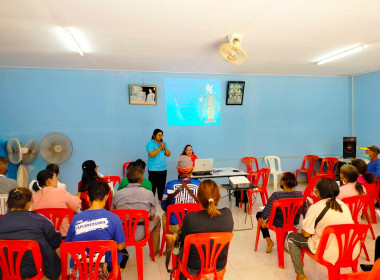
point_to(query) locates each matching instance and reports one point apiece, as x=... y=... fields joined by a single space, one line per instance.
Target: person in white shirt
x=52 y=168
x=328 y=211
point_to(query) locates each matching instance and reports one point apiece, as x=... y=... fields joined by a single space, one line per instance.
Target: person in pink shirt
x=349 y=176
x=51 y=197
x=367 y=179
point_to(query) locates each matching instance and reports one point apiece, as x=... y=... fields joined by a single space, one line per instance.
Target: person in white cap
x=372 y=153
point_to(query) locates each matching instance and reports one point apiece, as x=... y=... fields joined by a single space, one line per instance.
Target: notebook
x=203 y=166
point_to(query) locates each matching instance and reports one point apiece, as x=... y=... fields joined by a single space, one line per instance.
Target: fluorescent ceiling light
x=72 y=41
x=343 y=53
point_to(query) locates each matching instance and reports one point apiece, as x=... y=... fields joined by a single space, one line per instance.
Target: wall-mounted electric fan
x=55 y=148
x=16 y=153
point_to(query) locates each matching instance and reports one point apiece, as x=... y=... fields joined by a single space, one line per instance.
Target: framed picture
x=235 y=93
x=142 y=95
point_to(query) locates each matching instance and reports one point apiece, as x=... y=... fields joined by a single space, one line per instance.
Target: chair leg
x=371 y=207
x=139 y=262
x=354 y=266
x=174 y=260
x=151 y=250
x=275 y=181
x=163 y=242
x=257 y=233
x=297 y=174
x=366 y=252
x=370 y=225
x=241 y=199
x=280 y=248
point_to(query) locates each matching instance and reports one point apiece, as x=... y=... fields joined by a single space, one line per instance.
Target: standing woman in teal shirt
x=157 y=169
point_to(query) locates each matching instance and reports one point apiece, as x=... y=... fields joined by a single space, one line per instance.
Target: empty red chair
x=179 y=210
x=125 y=166
x=290 y=207
x=10 y=262
x=374 y=274
x=208 y=252
x=311 y=162
x=348 y=236
x=130 y=219
x=249 y=163
x=263 y=174
x=331 y=165
x=356 y=204
x=87 y=256
x=56 y=216
x=113 y=179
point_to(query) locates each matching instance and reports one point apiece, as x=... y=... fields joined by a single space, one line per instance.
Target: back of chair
x=248 y=163
x=125 y=166
x=207 y=250
x=331 y=163
x=348 y=236
x=179 y=210
x=312 y=162
x=271 y=161
x=3 y=203
x=113 y=179
x=56 y=215
x=356 y=204
x=10 y=261
x=309 y=190
x=264 y=175
x=131 y=218
x=290 y=208
x=87 y=256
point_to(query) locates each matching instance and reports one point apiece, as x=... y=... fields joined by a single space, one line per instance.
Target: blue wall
x=285 y=116
x=366 y=109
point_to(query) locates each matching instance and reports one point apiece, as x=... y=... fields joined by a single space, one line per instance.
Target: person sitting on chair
x=287 y=182
x=21 y=224
x=96 y=223
x=188 y=151
x=52 y=168
x=328 y=211
x=6 y=184
x=175 y=193
x=364 y=176
x=372 y=152
x=145 y=183
x=135 y=196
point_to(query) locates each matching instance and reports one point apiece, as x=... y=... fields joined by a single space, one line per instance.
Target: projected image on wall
x=193 y=101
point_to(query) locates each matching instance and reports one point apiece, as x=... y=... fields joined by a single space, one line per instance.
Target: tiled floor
x=243 y=262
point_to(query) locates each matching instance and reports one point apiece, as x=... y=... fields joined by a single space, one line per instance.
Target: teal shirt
x=157 y=163
x=145 y=184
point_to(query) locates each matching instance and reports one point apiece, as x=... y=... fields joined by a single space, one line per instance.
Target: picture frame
x=235 y=93
x=142 y=95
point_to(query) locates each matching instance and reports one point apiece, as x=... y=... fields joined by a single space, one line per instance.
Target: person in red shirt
x=188 y=151
x=90 y=174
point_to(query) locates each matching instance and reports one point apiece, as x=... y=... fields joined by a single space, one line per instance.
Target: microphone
x=161 y=142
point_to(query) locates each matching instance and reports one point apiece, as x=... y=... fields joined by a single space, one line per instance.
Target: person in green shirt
x=144 y=183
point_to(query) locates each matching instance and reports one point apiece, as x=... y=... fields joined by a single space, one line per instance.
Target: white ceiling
x=281 y=37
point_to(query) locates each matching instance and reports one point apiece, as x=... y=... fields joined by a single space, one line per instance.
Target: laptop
x=203 y=166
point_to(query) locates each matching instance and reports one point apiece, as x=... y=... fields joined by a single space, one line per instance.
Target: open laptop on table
x=203 y=166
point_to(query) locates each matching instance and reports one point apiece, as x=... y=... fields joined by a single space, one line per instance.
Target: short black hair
x=134 y=174
x=97 y=190
x=53 y=168
x=18 y=198
x=289 y=179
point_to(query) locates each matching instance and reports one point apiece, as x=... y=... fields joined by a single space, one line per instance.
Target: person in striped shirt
x=287 y=182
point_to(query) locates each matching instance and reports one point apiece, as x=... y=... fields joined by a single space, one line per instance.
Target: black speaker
x=349 y=147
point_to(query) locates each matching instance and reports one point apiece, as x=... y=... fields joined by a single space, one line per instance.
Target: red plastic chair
x=125 y=166
x=56 y=215
x=264 y=174
x=131 y=218
x=331 y=165
x=10 y=262
x=356 y=204
x=309 y=190
x=311 y=161
x=179 y=210
x=248 y=164
x=371 y=192
x=112 y=179
x=208 y=252
x=109 y=200
x=348 y=236
x=374 y=274
x=83 y=255
x=290 y=207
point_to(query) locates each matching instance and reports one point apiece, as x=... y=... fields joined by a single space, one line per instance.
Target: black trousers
x=158 y=180
x=377 y=248
x=264 y=231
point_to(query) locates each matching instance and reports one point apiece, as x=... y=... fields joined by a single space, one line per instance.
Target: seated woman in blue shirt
x=287 y=182
x=21 y=224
